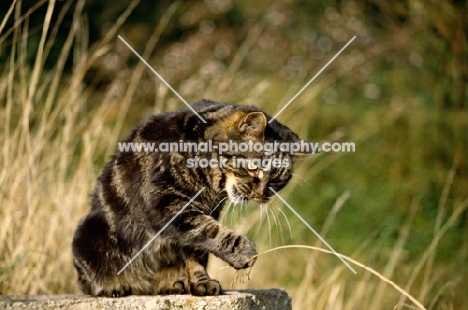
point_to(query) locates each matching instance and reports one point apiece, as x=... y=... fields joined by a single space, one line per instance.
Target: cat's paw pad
x=205 y=288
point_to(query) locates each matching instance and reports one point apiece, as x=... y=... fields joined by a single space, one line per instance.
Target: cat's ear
x=253 y=125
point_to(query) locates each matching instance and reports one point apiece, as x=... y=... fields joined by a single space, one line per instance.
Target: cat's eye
x=251 y=165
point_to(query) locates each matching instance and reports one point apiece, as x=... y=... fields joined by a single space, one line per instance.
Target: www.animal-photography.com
x=230 y=154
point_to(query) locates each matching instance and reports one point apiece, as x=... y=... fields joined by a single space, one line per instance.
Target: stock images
x=230 y=154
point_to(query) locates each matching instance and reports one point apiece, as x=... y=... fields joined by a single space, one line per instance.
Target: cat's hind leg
x=97 y=257
x=172 y=281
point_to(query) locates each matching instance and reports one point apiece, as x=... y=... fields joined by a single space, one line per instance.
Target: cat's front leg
x=202 y=232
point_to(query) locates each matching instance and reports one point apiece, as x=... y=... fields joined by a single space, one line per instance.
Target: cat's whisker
x=275 y=203
x=223 y=190
x=232 y=213
x=269 y=225
x=219 y=203
x=297 y=182
x=260 y=222
x=243 y=208
x=280 y=226
x=219 y=193
x=302 y=179
x=226 y=211
x=239 y=211
x=312 y=230
x=276 y=225
x=229 y=216
x=287 y=222
x=246 y=209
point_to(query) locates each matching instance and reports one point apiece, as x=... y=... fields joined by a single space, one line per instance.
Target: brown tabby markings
x=138 y=193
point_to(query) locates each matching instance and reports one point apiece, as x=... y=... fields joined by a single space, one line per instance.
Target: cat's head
x=258 y=155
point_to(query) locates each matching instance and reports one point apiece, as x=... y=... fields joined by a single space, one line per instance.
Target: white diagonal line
x=311 y=80
x=162 y=79
x=313 y=230
x=162 y=229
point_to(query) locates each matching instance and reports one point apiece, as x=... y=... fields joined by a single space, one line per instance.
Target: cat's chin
x=261 y=200
x=234 y=195
x=238 y=200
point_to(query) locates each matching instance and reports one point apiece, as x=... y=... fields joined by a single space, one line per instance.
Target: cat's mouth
x=240 y=193
x=237 y=197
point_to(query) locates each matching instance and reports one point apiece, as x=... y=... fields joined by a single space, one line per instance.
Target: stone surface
x=274 y=299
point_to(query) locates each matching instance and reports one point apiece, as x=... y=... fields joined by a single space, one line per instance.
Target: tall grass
x=384 y=208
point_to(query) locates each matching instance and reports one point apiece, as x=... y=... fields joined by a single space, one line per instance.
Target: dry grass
x=54 y=139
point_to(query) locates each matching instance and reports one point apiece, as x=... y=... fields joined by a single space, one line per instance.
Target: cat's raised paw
x=205 y=288
x=243 y=255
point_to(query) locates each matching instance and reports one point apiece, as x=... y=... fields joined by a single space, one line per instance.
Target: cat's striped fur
x=139 y=192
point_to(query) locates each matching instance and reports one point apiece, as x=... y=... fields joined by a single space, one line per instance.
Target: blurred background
x=70 y=90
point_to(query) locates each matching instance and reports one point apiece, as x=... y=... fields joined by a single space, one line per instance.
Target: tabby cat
x=139 y=192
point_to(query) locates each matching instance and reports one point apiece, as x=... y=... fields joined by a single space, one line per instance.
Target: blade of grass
x=433 y=245
x=366 y=268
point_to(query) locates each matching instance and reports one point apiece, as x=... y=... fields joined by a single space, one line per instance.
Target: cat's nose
x=258 y=191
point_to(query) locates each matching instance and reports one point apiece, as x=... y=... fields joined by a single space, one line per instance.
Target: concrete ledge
x=274 y=299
